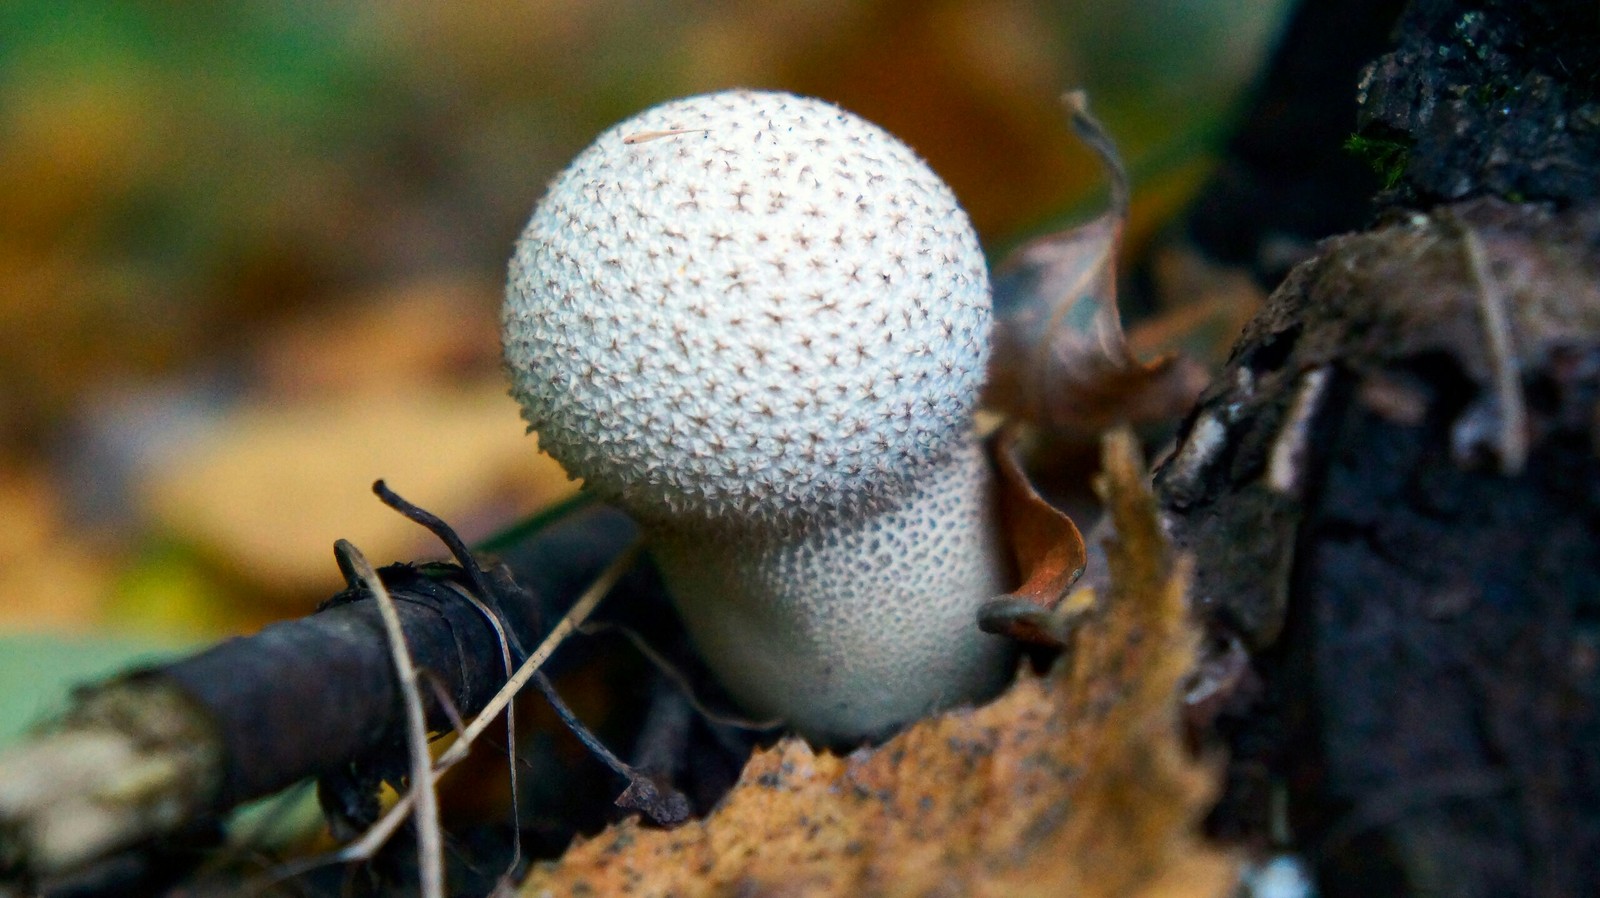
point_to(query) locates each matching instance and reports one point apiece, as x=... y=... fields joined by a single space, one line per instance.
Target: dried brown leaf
x=1047 y=548
x=1061 y=360
x=1205 y=304
x=1075 y=783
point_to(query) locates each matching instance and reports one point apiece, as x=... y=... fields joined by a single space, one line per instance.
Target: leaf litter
x=1061 y=359
x=1047 y=548
x=1075 y=782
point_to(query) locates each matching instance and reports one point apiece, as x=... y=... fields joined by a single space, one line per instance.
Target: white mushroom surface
x=760 y=324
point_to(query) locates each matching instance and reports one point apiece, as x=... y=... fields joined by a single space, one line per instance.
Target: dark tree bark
x=1393 y=492
x=1496 y=97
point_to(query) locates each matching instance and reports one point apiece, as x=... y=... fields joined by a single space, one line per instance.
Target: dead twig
x=430 y=842
x=365 y=847
x=575 y=616
x=667 y=807
x=1511 y=443
x=481 y=586
x=680 y=680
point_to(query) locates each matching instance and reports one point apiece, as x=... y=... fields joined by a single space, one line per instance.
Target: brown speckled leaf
x=1076 y=783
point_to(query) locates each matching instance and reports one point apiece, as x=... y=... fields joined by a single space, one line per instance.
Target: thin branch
x=374 y=838
x=511 y=716
x=1512 y=441
x=447 y=535
x=667 y=808
x=576 y=615
x=681 y=681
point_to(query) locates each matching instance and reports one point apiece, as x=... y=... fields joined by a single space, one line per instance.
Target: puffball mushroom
x=760 y=324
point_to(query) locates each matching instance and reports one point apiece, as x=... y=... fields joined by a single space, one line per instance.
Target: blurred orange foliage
x=215 y=202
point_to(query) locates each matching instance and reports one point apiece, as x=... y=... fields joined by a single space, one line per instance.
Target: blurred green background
x=251 y=252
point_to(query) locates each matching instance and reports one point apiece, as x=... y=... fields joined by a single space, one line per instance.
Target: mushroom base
x=848 y=630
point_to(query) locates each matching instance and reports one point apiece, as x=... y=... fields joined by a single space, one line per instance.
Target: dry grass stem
x=374 y=838
x=1512 y=442
x=430 y=842
x=575 y=616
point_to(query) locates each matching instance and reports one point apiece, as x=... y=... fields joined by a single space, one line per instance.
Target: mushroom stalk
x=852 y=628
x=760 y=324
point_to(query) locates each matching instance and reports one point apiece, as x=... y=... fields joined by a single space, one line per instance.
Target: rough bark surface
x=1426 y=607
x=1495 y=97
x=1392 y=488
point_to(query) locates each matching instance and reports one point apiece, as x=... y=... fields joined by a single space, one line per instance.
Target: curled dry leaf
x=1074 y=783
x=1048 y=550
x=1061 y=360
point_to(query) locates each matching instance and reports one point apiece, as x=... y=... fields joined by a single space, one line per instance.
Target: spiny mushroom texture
x=760 y=324
x=756 y=304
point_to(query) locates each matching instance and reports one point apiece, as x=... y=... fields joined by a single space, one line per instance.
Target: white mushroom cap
x=748 y=305
x=760 y=324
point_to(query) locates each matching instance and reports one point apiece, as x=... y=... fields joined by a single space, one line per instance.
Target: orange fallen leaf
x=1047 y=548
x=1074 y=783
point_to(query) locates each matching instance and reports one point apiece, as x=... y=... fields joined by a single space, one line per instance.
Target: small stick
x=569 y=622
x=480 y=583
x=374 y=838
x=511 y=718
x=430 y=842
x=452 y=541
x=666 y=808
x=1513 y=436
x=646 y=136
x=681 y=681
